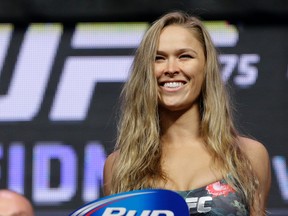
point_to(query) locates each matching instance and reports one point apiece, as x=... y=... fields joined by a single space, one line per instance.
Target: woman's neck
x=180 y=126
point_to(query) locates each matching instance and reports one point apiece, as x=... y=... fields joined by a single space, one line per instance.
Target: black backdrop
x=62 y=69
x=114 y=10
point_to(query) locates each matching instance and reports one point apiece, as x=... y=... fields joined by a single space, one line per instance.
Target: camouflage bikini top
x=215 y=199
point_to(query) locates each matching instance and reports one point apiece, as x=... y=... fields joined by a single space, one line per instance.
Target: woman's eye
x=186 y=56
x=157 y=58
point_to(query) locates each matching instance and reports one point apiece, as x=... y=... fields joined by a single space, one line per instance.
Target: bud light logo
x=137 y=203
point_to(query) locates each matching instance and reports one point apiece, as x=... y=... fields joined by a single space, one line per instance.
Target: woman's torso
x=191 y=167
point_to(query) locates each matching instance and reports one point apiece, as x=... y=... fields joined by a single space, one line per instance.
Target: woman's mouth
x=174 y=84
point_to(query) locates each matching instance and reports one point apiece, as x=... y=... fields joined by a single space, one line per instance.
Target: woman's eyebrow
x=187 y=50
x=160 y=52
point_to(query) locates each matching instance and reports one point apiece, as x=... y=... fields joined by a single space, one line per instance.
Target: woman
x=176 y=131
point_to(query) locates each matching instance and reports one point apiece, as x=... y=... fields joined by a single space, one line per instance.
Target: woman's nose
x=171 y=68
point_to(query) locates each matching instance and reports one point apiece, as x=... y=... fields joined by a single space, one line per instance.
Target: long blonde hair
x=138 y=163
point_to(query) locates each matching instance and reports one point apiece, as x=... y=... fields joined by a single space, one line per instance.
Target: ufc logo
x=79 y=76
x=198 y=203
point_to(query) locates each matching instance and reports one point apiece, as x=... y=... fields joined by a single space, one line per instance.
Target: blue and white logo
x=154 y=202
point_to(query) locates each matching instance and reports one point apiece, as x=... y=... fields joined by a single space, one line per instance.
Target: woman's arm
x=259 y=158
x=107 y=173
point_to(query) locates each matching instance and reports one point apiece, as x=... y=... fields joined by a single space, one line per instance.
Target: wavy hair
x=138 y=163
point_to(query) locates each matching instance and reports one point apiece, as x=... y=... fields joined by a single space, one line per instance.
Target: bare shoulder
x=108 y=172
x=259 y=158
x=254 y=150
x=111 y=159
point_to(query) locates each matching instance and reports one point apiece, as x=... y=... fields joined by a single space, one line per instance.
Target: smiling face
x=179 y=68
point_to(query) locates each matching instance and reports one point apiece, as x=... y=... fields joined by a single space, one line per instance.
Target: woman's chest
x=187 y=169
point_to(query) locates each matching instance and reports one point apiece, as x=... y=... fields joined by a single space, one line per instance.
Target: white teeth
x=173 y=84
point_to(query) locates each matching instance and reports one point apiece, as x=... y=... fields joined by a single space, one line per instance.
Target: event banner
x=59 y=103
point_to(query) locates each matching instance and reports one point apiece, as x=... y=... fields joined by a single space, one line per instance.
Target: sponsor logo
x=198 y=204
x=142 y=203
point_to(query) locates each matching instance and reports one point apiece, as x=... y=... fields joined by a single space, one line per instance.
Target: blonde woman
x=176 y=131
